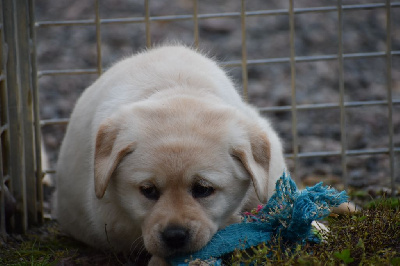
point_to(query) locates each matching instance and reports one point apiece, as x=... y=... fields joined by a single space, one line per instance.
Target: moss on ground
x=370 y=237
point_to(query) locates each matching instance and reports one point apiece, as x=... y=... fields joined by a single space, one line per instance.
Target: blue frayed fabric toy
x=288 y=213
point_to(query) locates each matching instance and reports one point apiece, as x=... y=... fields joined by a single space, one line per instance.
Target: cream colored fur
x=168 y=118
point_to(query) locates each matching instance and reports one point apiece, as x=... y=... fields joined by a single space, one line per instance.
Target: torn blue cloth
x=288 y=213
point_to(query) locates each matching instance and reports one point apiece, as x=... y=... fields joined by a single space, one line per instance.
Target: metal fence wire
x=20 y=124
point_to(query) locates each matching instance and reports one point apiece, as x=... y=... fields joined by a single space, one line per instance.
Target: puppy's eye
x=200 y=190
x=150 y=192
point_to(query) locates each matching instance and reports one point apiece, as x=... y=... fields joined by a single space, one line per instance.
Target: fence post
x=36 y=113
x=23 y=176
x=3 y=126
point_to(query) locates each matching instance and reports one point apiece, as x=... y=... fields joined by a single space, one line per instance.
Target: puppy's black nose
x=175 y=236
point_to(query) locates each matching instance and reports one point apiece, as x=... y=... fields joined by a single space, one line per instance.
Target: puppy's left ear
x=255 y=157
x=109 y=151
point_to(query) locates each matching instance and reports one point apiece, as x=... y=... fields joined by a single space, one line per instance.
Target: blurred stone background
x=74 y=47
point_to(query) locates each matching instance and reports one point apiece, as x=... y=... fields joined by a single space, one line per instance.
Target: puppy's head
x=180 y=169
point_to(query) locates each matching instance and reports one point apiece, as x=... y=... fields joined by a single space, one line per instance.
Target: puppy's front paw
x=157 y=261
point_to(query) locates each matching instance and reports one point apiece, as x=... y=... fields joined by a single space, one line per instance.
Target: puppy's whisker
x=219 y=235
x=135 y=244
x=139 y=254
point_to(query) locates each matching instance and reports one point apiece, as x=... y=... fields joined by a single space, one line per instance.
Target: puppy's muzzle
x=175 y=236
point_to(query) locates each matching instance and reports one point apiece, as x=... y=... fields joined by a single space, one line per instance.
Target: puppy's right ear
x=110 y=149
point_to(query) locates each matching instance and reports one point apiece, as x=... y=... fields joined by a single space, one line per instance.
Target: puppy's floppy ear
x=109 y=151
x=255 y=157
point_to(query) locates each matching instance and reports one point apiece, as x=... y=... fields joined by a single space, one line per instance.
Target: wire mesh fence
x=30 y=46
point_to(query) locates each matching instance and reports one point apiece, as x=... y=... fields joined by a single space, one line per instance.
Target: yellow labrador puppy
x=161 y=151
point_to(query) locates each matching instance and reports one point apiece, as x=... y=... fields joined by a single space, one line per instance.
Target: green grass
x=370 y=237
x=47 y=246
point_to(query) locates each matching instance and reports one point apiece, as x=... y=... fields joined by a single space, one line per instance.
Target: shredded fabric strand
x=289 y=214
